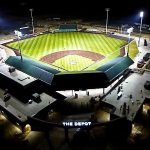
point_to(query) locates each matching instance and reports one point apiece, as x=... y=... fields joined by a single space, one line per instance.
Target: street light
x=107 y=10
x=141 y=16
x=31 y=10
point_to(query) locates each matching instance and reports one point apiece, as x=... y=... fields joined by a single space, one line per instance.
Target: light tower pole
x=31 y=10
x=107 y=10
x=141 y=16
x=129 y=31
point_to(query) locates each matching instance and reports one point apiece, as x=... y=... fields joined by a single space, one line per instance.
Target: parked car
x=147 y=85
x=140 y=63
x=146 y=57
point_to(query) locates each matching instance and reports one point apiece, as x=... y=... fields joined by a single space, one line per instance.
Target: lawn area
x=42 y=45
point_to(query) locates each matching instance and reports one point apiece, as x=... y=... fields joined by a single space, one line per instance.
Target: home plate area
x=73 y=60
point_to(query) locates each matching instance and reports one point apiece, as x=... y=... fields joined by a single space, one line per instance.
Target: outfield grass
x=42 y=45
x=133 y=50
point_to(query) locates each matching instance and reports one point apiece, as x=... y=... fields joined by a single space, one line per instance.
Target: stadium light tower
x=141 y=16
x=107 y=10
x=31 y=10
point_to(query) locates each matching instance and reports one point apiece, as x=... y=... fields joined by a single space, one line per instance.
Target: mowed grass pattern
x=42 y=45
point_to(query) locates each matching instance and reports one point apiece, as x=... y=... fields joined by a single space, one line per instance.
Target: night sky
x=91 y=9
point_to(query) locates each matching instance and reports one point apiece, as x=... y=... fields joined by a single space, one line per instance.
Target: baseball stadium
x=44 y=67
x=68 y=54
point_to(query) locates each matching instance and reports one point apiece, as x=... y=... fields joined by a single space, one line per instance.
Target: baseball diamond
x=72 y=51
x=72 y=60
x=57 y=55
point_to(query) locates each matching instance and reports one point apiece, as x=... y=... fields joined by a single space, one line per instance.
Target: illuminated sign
x=77 y=123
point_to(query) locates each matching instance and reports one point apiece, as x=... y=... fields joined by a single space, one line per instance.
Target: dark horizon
x=123 y=11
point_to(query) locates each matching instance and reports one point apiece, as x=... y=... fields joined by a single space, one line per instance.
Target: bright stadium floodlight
x=31 y=10
x=26 y=27
x=141 y=16
x=107 y=10
x=18 y=33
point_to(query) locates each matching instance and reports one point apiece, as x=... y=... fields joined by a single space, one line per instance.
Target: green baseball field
x=73 y=51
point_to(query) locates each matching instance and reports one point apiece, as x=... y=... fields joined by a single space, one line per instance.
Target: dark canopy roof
x=115 y=67
x=32 y=68
x=80 y=80
x=100 y=78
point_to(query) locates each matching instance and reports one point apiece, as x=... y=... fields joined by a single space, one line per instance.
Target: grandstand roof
x=115 y=67
x=32 y=68
x=100 y=78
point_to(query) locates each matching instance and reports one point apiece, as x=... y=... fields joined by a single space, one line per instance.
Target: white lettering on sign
x=68 y=123
x=77 y=123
